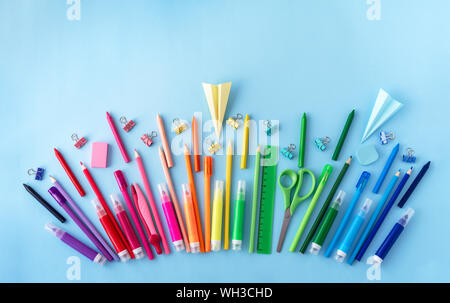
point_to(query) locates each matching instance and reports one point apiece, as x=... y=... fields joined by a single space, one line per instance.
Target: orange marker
x=194 y=196
x=207 y=168
x=190 y=219
x=195 y=145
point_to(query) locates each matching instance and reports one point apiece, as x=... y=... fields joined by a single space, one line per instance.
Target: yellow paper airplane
x=217 y=98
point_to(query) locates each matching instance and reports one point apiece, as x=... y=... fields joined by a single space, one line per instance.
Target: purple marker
x=56 y=194
x=76 y=244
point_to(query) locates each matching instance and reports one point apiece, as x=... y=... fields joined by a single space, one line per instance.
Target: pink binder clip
x=127 y=125
x=148 y=138
x=78 y=142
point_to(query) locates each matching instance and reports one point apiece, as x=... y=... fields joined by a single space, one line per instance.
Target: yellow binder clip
x=234 y=121
x=178 y=126
x=213 y=147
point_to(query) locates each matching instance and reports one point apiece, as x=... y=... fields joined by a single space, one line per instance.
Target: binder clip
x=213 y=147
x=386 y=137
x=127 y=125
x=268 y=125
x=178 y=126
x=234 y=121
x=148 y=138
x=321 y=143
x=38 y=175
x=409 y=157
x=78 y=142
x=287 y=151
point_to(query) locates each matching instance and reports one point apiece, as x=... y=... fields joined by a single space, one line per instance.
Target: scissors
x=290 y=206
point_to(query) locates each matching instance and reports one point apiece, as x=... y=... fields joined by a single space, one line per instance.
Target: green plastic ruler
x=267 y=199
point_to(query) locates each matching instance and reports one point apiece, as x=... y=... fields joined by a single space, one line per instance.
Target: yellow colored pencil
x=245 y=143
x=226 y=244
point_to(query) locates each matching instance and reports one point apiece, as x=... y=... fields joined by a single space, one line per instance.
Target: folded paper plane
x=217 y=98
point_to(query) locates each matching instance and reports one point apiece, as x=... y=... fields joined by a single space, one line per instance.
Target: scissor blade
x=284 y=227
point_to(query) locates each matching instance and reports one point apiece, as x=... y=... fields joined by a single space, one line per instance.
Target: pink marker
x=125 y=223
x=123 y=186
x=171 y=219
x=119 y=142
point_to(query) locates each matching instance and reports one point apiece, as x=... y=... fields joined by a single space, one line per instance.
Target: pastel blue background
x=137 y=58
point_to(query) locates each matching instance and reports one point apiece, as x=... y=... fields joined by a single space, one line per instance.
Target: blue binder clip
x=386 y=137
x=38 y=175
x=268 y=125
x=409 y=157
x=287 y=151
x=321 y=143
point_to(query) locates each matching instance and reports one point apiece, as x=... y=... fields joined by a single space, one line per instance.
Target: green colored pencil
x=251 y=246
x=324 y=208
x=343 y=135
x=301 y=153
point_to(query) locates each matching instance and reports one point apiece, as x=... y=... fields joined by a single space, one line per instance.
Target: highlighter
x=239 y=213
x=171 y=218
x=191 y=222
x=216 y=226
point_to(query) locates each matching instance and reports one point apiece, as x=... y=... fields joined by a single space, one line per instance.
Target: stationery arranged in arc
x=135 y=229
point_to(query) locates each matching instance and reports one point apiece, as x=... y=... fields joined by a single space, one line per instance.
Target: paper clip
x=321 y=143
x=386 y=137
x=127 y=125
x=148 y=138
x=287 y=151
x=37 y=174
x=178 y=126
x=213 y=147
x=409 y=157
x=234 y=121
x=78 y=142
x=268 y=125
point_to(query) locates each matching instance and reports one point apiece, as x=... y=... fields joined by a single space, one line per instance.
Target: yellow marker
x=226 y=245
x=245 y=143
x=216 y=224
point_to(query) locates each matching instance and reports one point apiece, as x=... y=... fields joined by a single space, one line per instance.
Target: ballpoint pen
x=326 y=224
x=171 y=218
x=360 y=185
x=239 y=213
x=194 y=240
x=353 y=231
x=127 y=227
x=216 y=224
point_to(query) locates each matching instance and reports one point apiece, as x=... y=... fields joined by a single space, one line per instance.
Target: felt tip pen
x=360 y=185
x=327 y=222
x=76 y=244
x=127 y=227
x=393 y=235
x=171 y=218
x=216 y=225
x=191 y=222
x=239 y=214
x=107 y=224
x=353 y=231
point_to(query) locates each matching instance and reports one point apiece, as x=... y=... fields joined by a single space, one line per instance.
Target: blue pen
x=374 y=216
x=353 y=231
x=359 y=189
x=393 y=236
x=382 y=216
x=386 y=169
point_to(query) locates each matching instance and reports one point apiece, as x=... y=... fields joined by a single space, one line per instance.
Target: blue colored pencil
x=413 y=185
x=386 y=169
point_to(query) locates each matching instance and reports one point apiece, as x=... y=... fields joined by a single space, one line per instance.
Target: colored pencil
x=165 y=144
x=116 y=135
x=344 y=133
x=226 y=244
x=301 y=153
x=207 y=168
x=69 y=172
x=251 y=247
x=195 y=145
x=386 y=169
x=413 y=185
x=245 y=143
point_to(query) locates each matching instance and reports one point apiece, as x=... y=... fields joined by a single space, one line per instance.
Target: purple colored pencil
x=54 y=192
x=76 y=244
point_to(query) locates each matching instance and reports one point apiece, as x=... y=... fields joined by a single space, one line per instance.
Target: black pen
x=45 y=203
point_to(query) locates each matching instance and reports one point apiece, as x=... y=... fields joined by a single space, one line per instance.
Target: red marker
x=69 y=172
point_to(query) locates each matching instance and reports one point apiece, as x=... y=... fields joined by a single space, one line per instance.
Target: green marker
x=301 y=153
x=322 y=182
x=239 y=213
x=343 y=135
x=327 y=222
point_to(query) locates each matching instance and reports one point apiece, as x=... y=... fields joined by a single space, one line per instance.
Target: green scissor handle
x=297 y=199
x=287 y=190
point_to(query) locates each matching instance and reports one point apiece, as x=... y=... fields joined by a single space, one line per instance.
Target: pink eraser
x=99 y=156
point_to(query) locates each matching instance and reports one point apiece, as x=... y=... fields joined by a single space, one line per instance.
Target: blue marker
x=393 y=236
x=374 y=216
x=359 y=189
x=386 y=168
x=353 y=231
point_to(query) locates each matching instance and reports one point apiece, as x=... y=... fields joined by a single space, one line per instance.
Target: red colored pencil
x=106 y=207
x=69 y=172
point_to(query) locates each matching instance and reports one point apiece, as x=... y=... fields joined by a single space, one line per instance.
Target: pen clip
x=363 y=180
x=325 y=173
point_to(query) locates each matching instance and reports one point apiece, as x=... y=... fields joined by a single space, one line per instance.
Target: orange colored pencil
x=207 y=168
x=195 y=145
x=187 y=157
